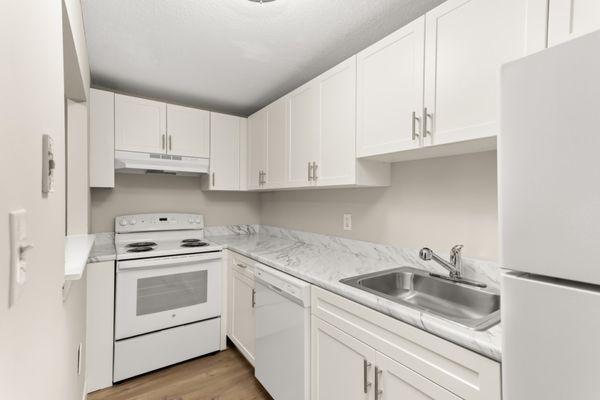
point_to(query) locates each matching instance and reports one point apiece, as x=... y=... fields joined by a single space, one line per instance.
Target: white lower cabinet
x=100 y=306
x=341 y=365
x=359 y=353
x=395 y=381
x=241 y=304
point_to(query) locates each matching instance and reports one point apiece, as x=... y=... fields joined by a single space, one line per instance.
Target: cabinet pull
x=170 y=142
x=213 y=179
x=241 y=266
x=164 y=138
x=426 y=117
x=378 y=391
x=366 y=383
x=264 y=177
x=253 y=298
x=315 y=166
x=309 y=171
x=415 y=119
x=259 y=178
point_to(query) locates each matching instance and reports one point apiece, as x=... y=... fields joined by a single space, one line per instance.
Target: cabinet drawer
x=243 y=265
x=461 y=371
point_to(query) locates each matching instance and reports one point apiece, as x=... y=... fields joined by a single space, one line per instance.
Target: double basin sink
x=469 y=306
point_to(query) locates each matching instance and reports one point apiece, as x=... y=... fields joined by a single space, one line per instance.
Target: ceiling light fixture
x=261 y=1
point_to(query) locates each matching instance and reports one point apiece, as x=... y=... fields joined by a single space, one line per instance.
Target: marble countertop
x=324 y=266
x=103 y=249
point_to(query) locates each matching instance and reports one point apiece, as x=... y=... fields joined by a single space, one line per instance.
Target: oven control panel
x=158 y=222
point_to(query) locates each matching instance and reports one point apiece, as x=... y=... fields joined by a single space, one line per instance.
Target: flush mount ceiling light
x=261 y=1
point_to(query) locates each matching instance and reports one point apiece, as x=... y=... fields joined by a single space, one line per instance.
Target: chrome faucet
x=454 y=266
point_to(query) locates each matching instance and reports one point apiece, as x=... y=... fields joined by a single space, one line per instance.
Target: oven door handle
x=166 y=262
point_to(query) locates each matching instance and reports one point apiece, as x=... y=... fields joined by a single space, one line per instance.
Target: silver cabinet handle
x=366 y=383
x=242 y=266
x=264 y=177
x=309 y=171
x=170 y=142
x=164 y=139
x=253 y=298
x=378 y=391
x=315 y=166
x=426 y=117
x=213 y=179
x=415 y=119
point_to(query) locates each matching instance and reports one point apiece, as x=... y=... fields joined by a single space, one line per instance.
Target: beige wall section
x=154 y=193
x=435 y=202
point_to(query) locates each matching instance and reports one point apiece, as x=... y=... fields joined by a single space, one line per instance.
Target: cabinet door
x=337 y=161
x=257 y=144
x=140 y=124
x=390 y=89
x=188 y=131
x=395 y=381
x=568 y=19
x=466 y=43
x=277 y=132
x=341 y=366
x=242 y=319
x=304 y=133
x=224 y=152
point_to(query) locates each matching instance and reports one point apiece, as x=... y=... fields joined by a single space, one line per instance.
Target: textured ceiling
x=232 y=56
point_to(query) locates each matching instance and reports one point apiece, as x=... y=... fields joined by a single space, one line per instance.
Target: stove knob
x=197 y=220
x=132 y=222
x=123 y=222
x=191 y=221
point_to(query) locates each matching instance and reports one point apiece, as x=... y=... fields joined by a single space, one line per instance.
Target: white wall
x=155 y=193
x=435 y=202
x=40 y=334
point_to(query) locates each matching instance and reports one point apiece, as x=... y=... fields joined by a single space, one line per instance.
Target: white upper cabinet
x=390 y=91
x=336 y=164
x=304 y=133
x=102 y=139
x=225 y=131
x=188 y=131
x=466 y=43
x=257 y=154
x=140 y=124
x=277 y=133
x=568 y=19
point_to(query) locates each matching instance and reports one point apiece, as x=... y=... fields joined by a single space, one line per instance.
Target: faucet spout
x=453 y=267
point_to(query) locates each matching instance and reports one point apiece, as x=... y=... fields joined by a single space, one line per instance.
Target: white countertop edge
x=77 y=252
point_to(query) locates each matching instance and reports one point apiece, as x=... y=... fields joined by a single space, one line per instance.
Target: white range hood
x=155 y=163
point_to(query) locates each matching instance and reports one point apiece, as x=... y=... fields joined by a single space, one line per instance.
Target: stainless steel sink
x=466 y=305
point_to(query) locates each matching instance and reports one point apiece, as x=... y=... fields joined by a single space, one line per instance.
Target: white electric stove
x=168 y=292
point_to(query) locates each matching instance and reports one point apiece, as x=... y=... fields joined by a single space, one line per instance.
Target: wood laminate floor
x=223 y=376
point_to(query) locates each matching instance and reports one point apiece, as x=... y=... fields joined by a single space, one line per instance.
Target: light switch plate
x=48 y=164
x=347 y=222
x=19 y=245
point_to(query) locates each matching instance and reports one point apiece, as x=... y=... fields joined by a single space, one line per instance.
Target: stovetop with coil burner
x=160 y=235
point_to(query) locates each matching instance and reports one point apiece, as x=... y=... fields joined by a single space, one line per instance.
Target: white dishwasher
x=282 y=314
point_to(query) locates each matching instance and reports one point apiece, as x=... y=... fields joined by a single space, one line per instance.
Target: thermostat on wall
x=48 y=164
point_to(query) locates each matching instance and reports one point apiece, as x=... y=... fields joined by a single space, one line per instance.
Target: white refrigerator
x=549 y=211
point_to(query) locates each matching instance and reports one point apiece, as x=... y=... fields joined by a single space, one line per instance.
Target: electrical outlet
x=347 y=222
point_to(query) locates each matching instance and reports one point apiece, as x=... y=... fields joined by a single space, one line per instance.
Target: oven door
x=158 y=293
